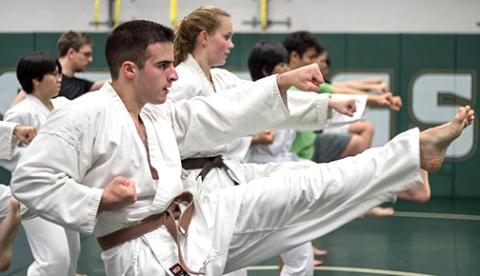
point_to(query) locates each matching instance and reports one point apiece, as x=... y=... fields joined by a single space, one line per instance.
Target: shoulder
x=224 y=74
x=80 y=113
x=185 y=87
x=19 y=113
x=74 y=87
x=76 y=80
x=60 y=101
x=226 y=79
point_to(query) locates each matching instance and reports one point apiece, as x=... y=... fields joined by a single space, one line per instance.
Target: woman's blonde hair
x=205 y=18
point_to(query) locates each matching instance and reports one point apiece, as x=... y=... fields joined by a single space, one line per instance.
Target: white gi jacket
x=307 y=109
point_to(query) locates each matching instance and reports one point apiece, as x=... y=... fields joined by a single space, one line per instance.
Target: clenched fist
x=343 y=106
x=119 y=193
x=24 y=134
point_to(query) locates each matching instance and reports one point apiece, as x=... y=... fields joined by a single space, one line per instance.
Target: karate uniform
x=83 y=147
x=55 y=249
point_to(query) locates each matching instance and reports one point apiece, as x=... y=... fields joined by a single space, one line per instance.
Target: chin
x=161 y=100
x=220 y=62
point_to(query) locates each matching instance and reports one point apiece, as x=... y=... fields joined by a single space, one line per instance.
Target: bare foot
x=379 y=212
x=420 y=193
x=435 y=141
x=319 y=252
x=8 y=232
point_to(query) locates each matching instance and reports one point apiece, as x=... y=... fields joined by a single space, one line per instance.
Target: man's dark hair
x=72 y=39
x=129 y=42
x=263 y=58
x=34 y=66
x=300 y=42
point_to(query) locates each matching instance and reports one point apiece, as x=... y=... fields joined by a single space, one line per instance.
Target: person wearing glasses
x=55 y=249
x=75 y=54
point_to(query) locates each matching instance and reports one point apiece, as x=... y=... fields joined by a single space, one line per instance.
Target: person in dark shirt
x=75 y=54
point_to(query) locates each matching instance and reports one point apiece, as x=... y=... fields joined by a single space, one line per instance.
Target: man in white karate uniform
x=110 y=164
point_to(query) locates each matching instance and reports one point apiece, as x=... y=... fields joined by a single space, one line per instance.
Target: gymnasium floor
x=438 y=238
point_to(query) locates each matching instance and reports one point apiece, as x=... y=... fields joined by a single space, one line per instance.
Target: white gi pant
x=242 y=225
x=298 y=261
x=59 y=258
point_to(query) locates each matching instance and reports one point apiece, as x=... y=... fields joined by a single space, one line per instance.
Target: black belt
x=206 y=164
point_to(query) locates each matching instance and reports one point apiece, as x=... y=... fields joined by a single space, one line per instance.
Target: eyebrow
x=163 y=62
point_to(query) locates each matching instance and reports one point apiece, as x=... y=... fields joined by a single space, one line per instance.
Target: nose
x=230 y=44
x=173 y=76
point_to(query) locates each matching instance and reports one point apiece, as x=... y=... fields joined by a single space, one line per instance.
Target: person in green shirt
x=304 y=49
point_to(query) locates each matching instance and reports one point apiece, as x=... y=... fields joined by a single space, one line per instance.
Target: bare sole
x=435 y=141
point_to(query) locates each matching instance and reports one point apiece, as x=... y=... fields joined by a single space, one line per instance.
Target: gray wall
x=377 y=16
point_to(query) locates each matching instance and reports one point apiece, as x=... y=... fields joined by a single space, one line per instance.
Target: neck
x=66 y=67
x=202 y=60
x=45 y=100
x=129 y=99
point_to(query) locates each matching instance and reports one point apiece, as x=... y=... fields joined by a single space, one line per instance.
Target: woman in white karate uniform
x=203 y=40
x=55 y=249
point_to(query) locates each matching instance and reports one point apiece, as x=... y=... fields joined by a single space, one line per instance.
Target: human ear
x=71 y=51
x=203 y=38
x=294 y=57
x=129 y=69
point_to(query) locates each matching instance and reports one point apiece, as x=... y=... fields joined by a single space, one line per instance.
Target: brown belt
x=204 y=163
x=153 y=222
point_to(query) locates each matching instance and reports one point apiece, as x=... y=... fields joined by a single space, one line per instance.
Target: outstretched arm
x=205 y=122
